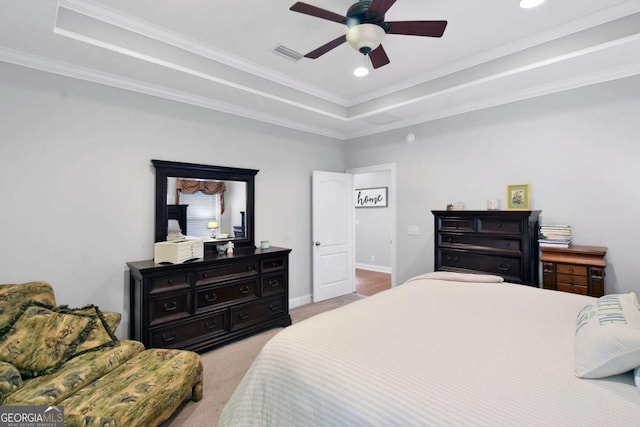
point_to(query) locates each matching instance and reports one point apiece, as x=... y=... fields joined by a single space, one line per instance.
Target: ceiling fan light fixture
x=365 y=37
x=361 y=71
x=530 y=4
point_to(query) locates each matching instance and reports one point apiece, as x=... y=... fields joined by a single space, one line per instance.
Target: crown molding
x=81 y=73
x=522 y=95
x=512 y=72
x=129 y=23
x=619 y=11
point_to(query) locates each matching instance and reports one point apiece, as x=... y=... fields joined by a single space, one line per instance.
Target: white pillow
x=460 y=277
x=608 y=336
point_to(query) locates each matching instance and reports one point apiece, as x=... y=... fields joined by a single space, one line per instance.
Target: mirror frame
x=166 y=169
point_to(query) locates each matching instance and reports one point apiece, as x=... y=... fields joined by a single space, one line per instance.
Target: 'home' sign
x=371 y=197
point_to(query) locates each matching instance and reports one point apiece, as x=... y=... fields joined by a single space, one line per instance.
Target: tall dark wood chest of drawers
x=503 y=243
x=202 y=304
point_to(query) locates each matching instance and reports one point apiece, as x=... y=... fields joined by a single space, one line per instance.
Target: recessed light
x=361 y=71
x=529 y=4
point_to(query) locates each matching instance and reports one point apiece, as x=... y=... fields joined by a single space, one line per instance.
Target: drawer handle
x=244 y=290
x=449 y=240
x=170 y=281
x=274 y=306
x=504 y=267
x=571 y=280
x=251 y=267
x=243 y=315
x=455 y=224
x=210 y=297
x=499 y=225
x=168 y=338
x=452 y=259
x=571 y=270
x=171 y=307
x=274 y=264
x=205 y=275
x=210 y=324
x=507 y=244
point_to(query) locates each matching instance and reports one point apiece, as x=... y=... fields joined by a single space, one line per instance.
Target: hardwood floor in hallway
x=371 y=282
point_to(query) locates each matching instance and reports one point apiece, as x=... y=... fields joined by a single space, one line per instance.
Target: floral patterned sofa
x=57 y=356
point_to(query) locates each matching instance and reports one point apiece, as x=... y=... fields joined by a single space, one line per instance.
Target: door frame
x=391 y=168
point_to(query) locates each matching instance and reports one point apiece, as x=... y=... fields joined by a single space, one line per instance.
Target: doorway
x=375 y=230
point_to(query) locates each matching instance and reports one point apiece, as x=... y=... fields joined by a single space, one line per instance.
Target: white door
x=332 y=229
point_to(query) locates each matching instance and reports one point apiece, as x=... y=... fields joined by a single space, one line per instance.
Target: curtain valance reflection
x=190 y=186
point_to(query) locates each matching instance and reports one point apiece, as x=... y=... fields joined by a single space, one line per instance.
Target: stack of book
x=555 y=236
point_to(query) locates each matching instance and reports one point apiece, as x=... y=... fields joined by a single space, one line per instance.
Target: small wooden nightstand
x=577 y=269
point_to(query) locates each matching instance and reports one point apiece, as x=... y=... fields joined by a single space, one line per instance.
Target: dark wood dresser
x=504 y=243
x=201 y=304
x=577 y=269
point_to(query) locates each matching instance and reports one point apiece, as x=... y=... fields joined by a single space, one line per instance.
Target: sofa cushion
x=14 y=297
x=41 y=339
x=75 y=374
x=109 y=319
x=101 y=333
x=144 y=391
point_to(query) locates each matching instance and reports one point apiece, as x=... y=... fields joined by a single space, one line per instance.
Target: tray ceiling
x=220 y=55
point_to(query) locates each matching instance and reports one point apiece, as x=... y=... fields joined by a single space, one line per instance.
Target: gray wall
x=77 y=184
x=579 y=151
x=373 y=226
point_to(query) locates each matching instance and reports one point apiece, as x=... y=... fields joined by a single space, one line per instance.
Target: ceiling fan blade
x=380 y=7
x=417 y=28
x=314 y=54
x=378 y=57
x=308 y=9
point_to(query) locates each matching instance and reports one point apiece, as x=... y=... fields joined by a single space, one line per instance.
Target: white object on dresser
x=178 y=251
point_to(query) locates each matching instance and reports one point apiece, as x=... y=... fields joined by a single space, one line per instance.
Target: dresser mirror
x=213 y=202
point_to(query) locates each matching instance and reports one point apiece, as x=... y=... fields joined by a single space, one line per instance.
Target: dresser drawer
x=168 y=282
x=480 y=242
x=179 y=334
x=245 y=315
x=214 y=297
x=576 y=289
x=273 y=284
x=509 y=268
x=572 y=280
x=454 y=223
x=496 y=225
x=226 y=272
x=580 y=270
x=166 y=308
x=273 y=264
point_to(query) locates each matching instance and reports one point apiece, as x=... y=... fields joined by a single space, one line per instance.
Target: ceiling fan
x=366 y=27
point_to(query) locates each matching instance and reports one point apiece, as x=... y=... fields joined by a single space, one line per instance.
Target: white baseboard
x=378 y=268
x=297 y=302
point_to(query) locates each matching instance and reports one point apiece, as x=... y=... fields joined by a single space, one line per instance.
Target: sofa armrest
x=10 y=380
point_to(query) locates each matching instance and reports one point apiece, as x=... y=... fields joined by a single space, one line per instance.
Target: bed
x=433 y=353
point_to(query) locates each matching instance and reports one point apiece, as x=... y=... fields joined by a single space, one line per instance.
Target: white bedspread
x=433 y=353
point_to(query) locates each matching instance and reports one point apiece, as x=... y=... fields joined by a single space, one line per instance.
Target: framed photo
x=371 y=197
x=518 y=197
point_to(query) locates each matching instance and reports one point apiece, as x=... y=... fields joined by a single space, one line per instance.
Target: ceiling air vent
x=287 y=53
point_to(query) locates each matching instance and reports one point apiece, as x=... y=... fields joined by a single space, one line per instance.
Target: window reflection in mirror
x=207 y=208
x=237 y=220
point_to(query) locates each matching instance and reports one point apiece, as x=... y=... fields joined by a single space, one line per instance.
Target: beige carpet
x=224 y=368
